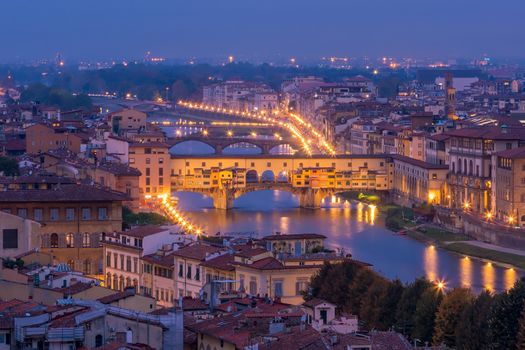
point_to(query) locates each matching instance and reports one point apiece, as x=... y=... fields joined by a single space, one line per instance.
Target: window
x=181 y=270
x=300 y=286
x=86 y=213
x=148 y=161
x=53 y=214
x=70 y=214
x=278 y=288
x=10 y=239
x=22 y=212
x=253 y=286
x=108 y=260
x=86 y=240
x=161 y=160
x=128 y=263
x=38 y=214
x=147 y=171
x=132 y=161
x=188 y=273
x=102 y=213
x=70 y=240
x=197 y=273
x=53 y=241
x=121 y=262
x=98 y=341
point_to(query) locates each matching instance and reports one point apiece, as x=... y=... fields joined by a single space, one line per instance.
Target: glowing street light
x=229 y=133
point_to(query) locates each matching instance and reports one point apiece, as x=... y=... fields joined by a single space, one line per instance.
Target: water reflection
x=431 y=263
x=465 y=272
x=489 y=277
x=394 y=256
x=510 y=277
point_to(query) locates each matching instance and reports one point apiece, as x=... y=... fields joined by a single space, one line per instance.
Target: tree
x=448 y=316
x=520 y=338
x=472 y=329
x=406 y=308
x=9 y=167
x=364 y=279
x=388 y=305
x=504 y=317
x=425 y=314
x=333 y=283
x=370 y=310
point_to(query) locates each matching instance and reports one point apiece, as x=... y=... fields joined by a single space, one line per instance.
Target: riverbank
x=453 y=242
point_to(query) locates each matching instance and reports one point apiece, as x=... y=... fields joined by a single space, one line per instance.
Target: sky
x=112 y=29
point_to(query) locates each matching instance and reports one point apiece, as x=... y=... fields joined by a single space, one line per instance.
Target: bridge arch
x=192 y=147
x=268 y=176
x=252 y=176
x=283 y=176
x=247 y=147
x=282 y=148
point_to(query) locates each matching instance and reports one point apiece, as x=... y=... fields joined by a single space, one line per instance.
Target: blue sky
x=264 y=28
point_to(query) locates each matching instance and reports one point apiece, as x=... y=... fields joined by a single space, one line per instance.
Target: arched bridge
x=225 y=178
x=220 y=143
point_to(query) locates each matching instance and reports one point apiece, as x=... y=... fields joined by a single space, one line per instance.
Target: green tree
x=472 y=329
x=9 y=167
x=425 y=314
x=504 y=317
x=520 y=338
x=406 y=308
x=388 y=305
x=364 y=279
x=332 y=283
x=448 y=316
x=370 y=310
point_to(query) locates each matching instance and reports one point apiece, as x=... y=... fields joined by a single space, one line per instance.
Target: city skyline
x=261 y=31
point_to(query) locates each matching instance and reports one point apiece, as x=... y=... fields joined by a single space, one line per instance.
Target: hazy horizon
x=269 y=29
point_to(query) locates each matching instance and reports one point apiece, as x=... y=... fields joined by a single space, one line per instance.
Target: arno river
x=355 y=228
x=351 y=228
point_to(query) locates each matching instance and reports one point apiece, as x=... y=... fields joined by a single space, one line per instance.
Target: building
x=19 y=235
x=113 y=175
x=471 y=172
x=152 y=159
x=295 y=244
x=127 y=120
x=74 y=218
x=123 y=253
x=189 y=277
x=509 y=187
x=416 y=181
x=42 y=138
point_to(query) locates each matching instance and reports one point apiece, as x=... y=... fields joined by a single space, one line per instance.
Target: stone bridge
x=220 y=143
x=223 y=198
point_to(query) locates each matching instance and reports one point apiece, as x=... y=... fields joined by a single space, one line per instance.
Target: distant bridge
x=226 y=178
x=220 y=143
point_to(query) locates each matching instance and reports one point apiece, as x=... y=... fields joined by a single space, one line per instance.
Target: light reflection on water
x=353 y=228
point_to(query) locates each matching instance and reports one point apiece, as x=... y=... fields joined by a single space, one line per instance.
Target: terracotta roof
x=119 y=169
x=315 y=302
x=490 y=133
x=128 y=292
x=515 y=153
x=144 y=231
x=285 y=237
x=419 y=163
x=67 y=319
x=196 y=251
x=269 y=263
x=66 y=193
x=248 y=251
x=163 y=260
x=74 y=289
x=222 y=262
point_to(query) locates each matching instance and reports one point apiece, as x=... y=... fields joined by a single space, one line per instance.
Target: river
x=352 y=227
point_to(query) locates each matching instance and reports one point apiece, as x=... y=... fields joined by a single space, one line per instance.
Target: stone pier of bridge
x=309 y=198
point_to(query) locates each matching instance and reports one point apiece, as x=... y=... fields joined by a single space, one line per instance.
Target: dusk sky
x=303 y=28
